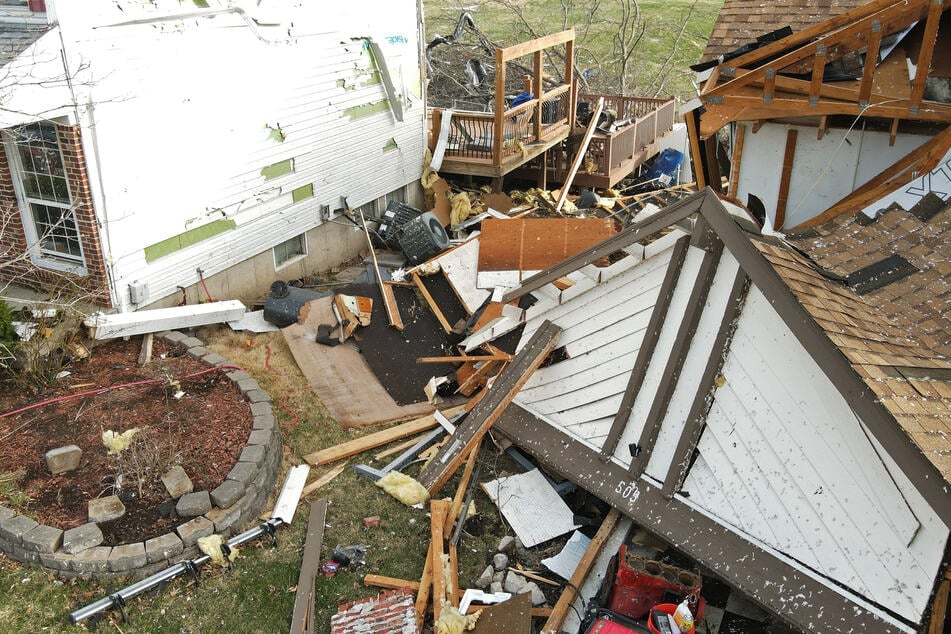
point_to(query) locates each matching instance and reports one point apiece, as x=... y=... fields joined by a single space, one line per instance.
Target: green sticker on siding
x=303 y=193
x=277 y=169
x=187 y=239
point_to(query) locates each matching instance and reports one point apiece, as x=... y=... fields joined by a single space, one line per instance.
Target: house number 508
x=628 y=490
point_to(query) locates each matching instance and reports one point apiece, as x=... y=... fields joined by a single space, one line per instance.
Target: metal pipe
x=118 y=599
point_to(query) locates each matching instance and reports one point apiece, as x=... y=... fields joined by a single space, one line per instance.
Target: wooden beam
x=789 y=157
x=438 y=510
x=392 y=308
x=433 y=306
x=736 y=160
x=323 y=480
x=560 y=611
x=871 y=62
x=893 y=132
x=818 y=71
x=390 y=312
x=480 y=419
x=425 y=588
x=398 y=448
x=377 y=439
x=479 y=377
x=390 y=583
x=538 y=91
x=498 y=120
x=526 y=48
x=465 y=358
x=304 y=598
x=145 y=352
x=592 y=126
x=823 y=127
x=158 y=319
x=939 y=609
x=928 y=39
x=460 y=496
x=692 y=119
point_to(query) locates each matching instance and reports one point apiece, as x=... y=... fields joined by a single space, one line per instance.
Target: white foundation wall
x=824 y=171
x=214 y=134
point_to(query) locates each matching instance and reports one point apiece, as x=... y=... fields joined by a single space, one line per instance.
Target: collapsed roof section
x=730 y=396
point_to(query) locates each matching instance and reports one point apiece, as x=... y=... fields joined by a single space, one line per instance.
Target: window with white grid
x=43 y=189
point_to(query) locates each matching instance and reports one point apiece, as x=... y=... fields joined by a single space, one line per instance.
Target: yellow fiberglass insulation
x=211 y=546
x=451 y=621
x=403 y=488
x=461 y=209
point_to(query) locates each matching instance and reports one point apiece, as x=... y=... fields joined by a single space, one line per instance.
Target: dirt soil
x=203 y=430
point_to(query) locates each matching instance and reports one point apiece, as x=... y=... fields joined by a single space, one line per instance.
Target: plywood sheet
x=341 y=378
x=509 y=617
x=531 y=506
x=537 y=243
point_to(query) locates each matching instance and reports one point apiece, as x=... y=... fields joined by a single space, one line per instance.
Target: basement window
x=289 y=251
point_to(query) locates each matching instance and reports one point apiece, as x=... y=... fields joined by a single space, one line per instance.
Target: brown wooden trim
x=736 y=159
x=525 y=48
x=692 y=119
x=698 y=411
x=433 y=306
x=437 y=513
x=635 y=233
x=764 y=577
x=788 y=158
x=646 y=351
x=301 y=619
x=675 y=363
x=871 y=63
x=471 y=431
x=924 y=476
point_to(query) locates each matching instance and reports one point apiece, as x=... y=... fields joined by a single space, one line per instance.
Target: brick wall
x=25 y=273
x=389 y=613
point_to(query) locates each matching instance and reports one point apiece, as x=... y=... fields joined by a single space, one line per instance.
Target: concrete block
x=259 y=437
x=247 y=385
x=264 y=422
x=215 y=359
x=63 y=459
x=127 y=557
x=173 y=336
x=193 y=504
x=43 y=539
x=243 y=472
x=238 y=375
x=258 y=396
x=253 y=454
x=163 y=547
x=6 y=513
x=56 y=561
x=105 y=509
x=261 y=408
x=14 y=528
x=229 y=492
x=191 y=342
x=224 y=519
x=193 y=530
x=177 y=482
x=76 y=540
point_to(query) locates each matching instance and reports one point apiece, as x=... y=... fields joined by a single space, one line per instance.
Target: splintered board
x=531 y=506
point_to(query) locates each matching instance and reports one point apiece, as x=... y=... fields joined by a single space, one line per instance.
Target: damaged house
x=160 y=151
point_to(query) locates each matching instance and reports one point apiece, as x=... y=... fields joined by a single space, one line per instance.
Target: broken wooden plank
x=582 y=150
x=488 y=410
x=301 y=620
x=457 y=499
x=145 y=352
x=464 y=359
x=323 y=480
x=425 y=588
x=403 y=446
x=438 y=510
x=390 y=583
x=433 y=306
x=391 y=314
x=940 y=607
x=159 y=319
x=560 y=611
x=471 y=378
x=392 y=308
x=377 y=439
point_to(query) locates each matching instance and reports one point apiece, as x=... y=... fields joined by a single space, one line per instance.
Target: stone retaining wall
x=235 y=503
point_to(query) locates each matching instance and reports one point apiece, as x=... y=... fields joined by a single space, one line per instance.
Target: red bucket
x=666 y=608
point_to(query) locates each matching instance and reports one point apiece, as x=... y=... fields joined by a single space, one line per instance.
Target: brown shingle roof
x=888 y=332
x=742 y=21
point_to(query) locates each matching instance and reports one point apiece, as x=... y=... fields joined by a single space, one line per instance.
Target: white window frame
x=40 y=256
x=294 y=258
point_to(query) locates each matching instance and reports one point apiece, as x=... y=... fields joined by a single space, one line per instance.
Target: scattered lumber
x=391 y=583
x=377 y=439
x=489 y=408
x=159 y=319
x=302 y=621
x=582 y=150
x=438 y=509
x=323 y=480
x=433 y=306
x=560 y=611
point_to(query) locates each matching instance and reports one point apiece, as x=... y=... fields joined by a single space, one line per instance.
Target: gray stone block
x=229 y=492
x=163 y=547
x=224 y=519
x=243 y=472
x=238 y=375
x=197 y=352
x=78 y=539
x=43 y=539
x=173 y=336
x=6 y=513
x=260 y=437
x=127 y=557
x=248 y=384
x=191 y=342
x=253 y=454
x=56 y=561
x=14 y=528
x=105 y=509
x=63 y=459
x=193 y=504
x=258 y=396
x=193 y=530
x=177 y=482
x=261 y=408
x=264 y=422
x=215 y=359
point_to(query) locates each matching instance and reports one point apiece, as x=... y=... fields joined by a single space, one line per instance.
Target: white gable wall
x=187 y=112
x=824 y=171
x=784 y=459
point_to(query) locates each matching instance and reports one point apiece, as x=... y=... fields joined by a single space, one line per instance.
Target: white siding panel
x=701 y=346
x=783 y=446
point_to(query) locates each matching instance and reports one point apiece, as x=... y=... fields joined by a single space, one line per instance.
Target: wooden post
x=499 y=116
x=693 y=133
x=737 y=159
x=784 y=179
x=580 y=156
x=538 y=91
x=438 y=510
